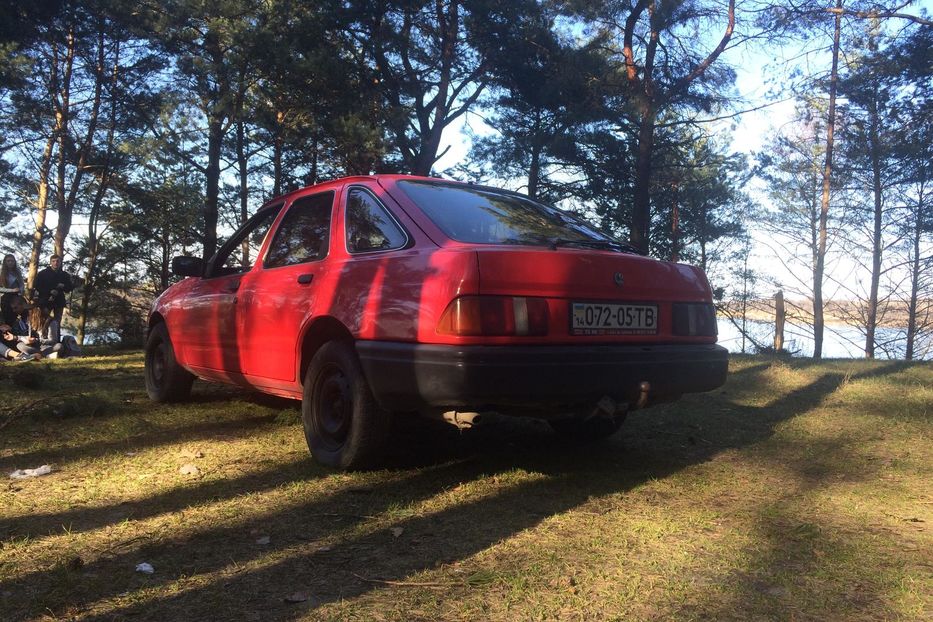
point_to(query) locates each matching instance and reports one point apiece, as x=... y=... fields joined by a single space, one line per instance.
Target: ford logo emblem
x=618 y=279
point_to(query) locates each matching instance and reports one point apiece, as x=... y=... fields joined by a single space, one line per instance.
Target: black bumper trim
x=407 y=376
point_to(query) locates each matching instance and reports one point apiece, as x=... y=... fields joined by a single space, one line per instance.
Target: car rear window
x=485 y=216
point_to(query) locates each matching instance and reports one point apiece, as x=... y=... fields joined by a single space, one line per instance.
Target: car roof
x=333 y=182
x=387 y=177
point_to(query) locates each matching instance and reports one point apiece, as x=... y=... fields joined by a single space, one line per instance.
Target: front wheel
x=166 y=380
x=343 y=424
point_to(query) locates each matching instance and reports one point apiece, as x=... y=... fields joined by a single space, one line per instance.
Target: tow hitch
x=643 y=389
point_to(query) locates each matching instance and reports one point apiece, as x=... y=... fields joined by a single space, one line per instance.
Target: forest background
x=131 y=132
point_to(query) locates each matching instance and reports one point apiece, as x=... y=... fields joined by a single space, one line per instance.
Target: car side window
x=239 y=253
x=304 y=232
x=370 y=227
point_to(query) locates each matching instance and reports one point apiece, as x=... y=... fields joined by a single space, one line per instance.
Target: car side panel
x=395 y=295
x=274 y=305
x=200 y=318
x=400 y=296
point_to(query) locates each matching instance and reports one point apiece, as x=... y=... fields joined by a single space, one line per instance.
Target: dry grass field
x=800 y=491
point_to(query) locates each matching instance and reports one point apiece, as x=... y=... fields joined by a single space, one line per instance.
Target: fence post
x=779 y=321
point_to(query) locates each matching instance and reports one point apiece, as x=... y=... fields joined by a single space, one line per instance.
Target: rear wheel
x=587 y=430
x=344 y=426
x=166 y=380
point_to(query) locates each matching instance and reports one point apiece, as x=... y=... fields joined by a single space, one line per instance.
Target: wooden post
x=779 y=321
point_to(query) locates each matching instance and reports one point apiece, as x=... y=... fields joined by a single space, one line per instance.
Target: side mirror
x=188 y=266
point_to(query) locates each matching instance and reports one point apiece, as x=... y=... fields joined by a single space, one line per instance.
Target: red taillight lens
x=694 y=319
x=494 y=316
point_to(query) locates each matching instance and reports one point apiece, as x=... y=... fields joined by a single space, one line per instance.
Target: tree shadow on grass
x=76 y=520
x=56 y=416
x=339 y=545
x=806 y=562
x=159 y=437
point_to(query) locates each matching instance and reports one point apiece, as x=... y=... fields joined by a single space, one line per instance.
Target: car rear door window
x=303 y=233
x=370 y=227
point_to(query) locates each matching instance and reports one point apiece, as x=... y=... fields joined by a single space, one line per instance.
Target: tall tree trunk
x=217 y=109
x=819 y=269
x=641 y=201
x=87 y=291
x=104 y=178
x=745 y=279
x=876 y=248
x=779 y=319
x=215 y=135
x=651 y=100
x=277 y=143
x=433 y=122
x=534 y=166
x=42 y=205
x=243 y=172
x=916 y=236
x=312 y=169
x=675 y=225
x=703 y=236
x=93 y=245
x=165 y=243
x=66 y=211
x=62 y=119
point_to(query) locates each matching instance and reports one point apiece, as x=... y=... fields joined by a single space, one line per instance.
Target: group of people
x=30 y=322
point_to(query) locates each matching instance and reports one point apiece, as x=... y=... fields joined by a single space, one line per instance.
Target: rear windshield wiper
x=622 y=247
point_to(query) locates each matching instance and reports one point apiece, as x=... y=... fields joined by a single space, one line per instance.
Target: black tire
x=166 y=380
x=344 y=426
x=587 y=430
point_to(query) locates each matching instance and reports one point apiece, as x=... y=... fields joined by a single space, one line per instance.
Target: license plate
x=594 y=318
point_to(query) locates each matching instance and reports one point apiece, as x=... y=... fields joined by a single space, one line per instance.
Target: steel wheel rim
x=333 y=407
x=157 y=364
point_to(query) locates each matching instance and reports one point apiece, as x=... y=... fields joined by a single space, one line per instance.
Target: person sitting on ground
x=51 y=285
x=11 y=282
x=39 y=320
x=8 y=346
x=28 y=340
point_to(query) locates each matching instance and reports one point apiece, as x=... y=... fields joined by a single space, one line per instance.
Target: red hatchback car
x=369 y=297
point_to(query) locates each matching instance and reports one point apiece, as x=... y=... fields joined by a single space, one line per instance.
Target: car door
x=279 y=295
x=207 y=325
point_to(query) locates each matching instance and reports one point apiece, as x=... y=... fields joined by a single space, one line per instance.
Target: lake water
x=839 y=341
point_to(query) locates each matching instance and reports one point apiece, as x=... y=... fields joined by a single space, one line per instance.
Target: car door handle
x=304 y=279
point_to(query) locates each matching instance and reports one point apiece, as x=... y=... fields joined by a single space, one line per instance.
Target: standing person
x=52 y=284
x=11 y=283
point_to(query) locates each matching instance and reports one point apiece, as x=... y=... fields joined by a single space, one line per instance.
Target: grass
x=800 y=491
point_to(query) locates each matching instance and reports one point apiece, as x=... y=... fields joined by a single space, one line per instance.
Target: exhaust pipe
x=462 y=421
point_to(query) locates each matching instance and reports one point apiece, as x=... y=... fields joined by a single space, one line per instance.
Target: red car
x=369 y=297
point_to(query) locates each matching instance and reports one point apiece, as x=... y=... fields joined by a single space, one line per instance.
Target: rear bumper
x=405 y=376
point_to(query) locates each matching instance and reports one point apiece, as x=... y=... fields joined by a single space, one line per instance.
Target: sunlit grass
x=799 y=491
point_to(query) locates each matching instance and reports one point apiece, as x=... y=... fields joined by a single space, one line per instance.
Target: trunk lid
x=579 y=274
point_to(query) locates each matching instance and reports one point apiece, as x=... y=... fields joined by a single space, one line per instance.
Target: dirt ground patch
x=798 y=491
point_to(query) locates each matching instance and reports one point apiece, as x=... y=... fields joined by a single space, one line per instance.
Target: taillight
x=694 y=320
x=494 y=316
